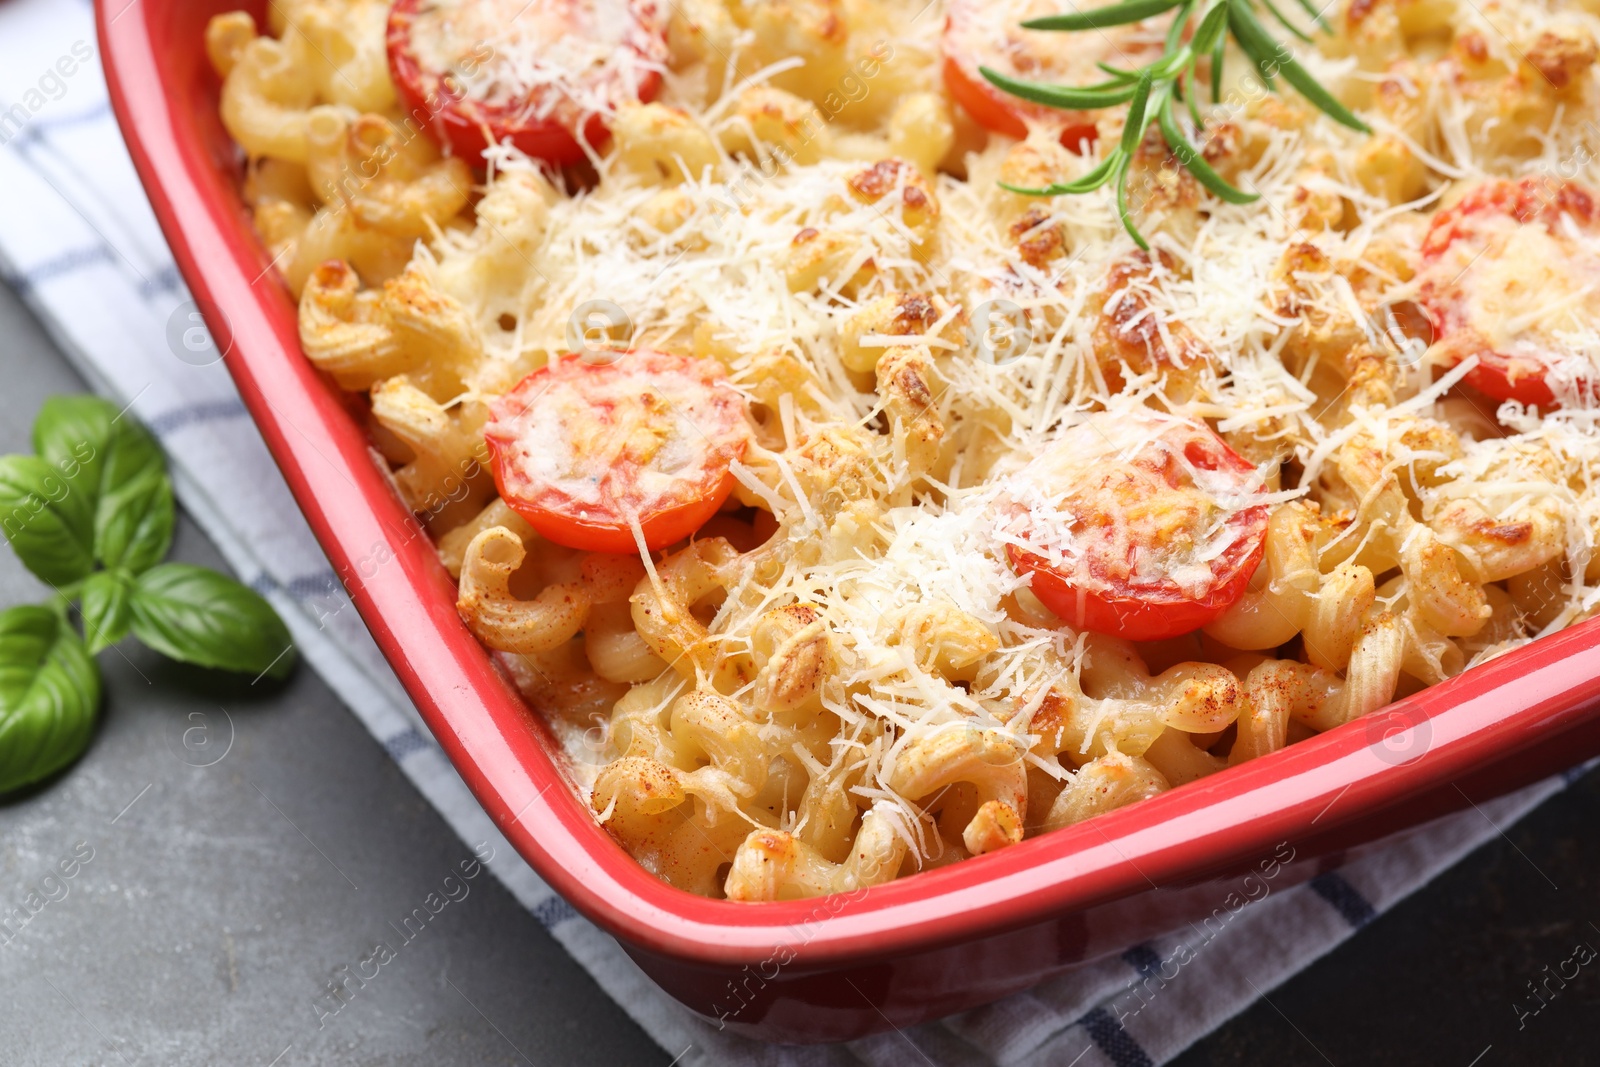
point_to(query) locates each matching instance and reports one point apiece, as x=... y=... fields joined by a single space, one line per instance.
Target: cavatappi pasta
x=1349 y=432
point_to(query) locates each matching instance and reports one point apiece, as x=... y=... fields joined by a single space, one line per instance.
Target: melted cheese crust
x=1118 y=502
x=555 y=58
x=1520 y=275
x=610 y=445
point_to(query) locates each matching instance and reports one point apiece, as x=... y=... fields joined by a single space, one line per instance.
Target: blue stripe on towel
x=163 y=279
x=1118 y=1045
x=195 y=414
x=322 y=583
x=404 y=743
x=1345 y=898
x=68 y=262
x=553 y=912
x=305 y=587
x=1143 y=959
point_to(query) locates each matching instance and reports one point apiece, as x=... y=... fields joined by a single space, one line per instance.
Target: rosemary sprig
x=1152 y=91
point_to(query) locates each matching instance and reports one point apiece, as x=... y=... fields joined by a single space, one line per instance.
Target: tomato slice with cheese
x=1510 y=273
x=544 y=73
x=988 y=33
x=1136 y=524
x=584 y=450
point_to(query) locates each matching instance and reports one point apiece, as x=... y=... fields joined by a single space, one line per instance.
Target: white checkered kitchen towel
x=78 y=241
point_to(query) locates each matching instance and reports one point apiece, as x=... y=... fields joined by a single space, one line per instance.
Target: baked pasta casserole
x=851 y=491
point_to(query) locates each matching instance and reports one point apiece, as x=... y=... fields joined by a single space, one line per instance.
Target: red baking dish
x=828 y=968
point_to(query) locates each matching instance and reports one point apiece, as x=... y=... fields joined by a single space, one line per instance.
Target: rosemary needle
x=1152 y=91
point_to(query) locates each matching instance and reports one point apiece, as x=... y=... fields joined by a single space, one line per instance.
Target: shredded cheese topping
x=935 y=369
x=1132 y=502
x=1227 y=276
x=1526 y=287
x=545 y=59
x=608 y=442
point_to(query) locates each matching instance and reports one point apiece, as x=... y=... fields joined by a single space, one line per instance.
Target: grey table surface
x=221 y=899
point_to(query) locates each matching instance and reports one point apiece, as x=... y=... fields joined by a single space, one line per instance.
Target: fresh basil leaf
x=49 y=693
x=107 y=608
x=134 y=525
x=113 y=463
x=133 y=461
x=43 y=519
x=199 y=616
x=73 y=434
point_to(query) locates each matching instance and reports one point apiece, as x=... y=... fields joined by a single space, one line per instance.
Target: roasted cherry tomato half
x=543 y=73
x=583 y=450
x=986 y=33
x=1510 y=273
x=1136 y=524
